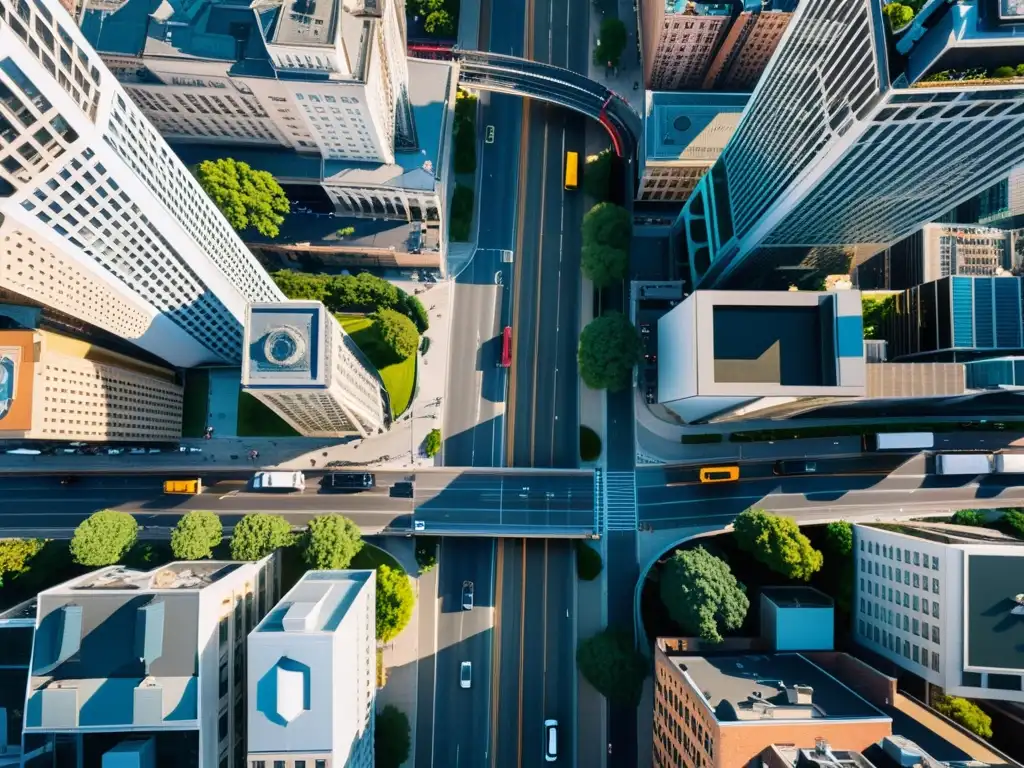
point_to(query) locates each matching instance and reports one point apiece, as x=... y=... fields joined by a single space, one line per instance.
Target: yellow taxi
x=719 y=474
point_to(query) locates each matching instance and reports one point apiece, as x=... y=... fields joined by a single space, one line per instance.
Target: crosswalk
x=619 y=501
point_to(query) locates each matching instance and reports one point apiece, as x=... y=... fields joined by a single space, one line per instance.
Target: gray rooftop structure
x=797 y=597
x=994 y=619
x=286 y=345
x=676 y=119
x=781 y=686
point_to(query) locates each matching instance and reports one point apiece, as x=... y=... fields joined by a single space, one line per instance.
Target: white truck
x=279 y=481
x=963 y=464
x=1009 y=463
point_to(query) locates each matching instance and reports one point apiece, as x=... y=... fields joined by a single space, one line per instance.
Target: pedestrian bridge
x=535 y=80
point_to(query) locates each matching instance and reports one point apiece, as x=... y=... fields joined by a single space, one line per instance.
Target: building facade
x=679 y=39
x=928 y=598
x=311 y=679
x=56 y=388
x=748 y=45
x=956 y=319
x=684 y=134
x=301 y=364
x=126 y=656
x=820 y=156
x=88 y=187
x=723 y=711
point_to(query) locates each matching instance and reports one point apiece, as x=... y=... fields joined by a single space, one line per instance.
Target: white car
x=466 y=674
x=550 y=740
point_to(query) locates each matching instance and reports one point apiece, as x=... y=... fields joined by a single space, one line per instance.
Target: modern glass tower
x=856 y=136
x=98 y=217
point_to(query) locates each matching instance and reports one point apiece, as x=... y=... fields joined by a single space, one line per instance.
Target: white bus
x=899 y=441
x=963 y=464
x=279 y=481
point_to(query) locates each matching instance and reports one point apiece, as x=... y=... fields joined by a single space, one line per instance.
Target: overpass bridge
x=536 y=80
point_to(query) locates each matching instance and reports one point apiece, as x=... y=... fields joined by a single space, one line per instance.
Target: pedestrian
x=312 y=462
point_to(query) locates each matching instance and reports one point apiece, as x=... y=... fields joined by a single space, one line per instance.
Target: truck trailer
x=1009 y=463
x=963 y=464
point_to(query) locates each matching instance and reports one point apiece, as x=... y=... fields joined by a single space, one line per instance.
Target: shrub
x=395 y=601
x=465 y=147
x=195 y=535
x=382 y=670
x=701 y=594
x=776 y=542
x=258 y=534
x=899 y=15
x=969 y=517
x=1019 y=70
x=597 y=175
x=604 y=265
x=397 y=332
x=461 y=214
x=417 y=313
x=426 y=553
x=610 y=662
x=609 y=348
x=1013 y=522
x=392 y=738
x=15 y=555
x=1003 y=72
x=588 y=561
x=966 y=713
x=330 y=542
x=839 y=537
x=590 y=444
x=608 y=224
x=104 y=538
x=611 y=43
x=432 y=443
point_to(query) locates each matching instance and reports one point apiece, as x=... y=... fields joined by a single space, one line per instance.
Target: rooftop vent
x=800 y=694
x=292 y=682
x=1018 y=609
x=149 y=703
x=149 y=633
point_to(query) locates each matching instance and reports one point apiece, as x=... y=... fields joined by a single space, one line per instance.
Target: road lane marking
x=499 y=567
x=558 y=298
x=524 y=144
x=522 y=649
x=538 y=297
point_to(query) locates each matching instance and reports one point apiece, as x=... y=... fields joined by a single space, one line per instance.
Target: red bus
x=506 y=347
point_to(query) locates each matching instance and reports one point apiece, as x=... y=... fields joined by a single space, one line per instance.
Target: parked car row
x=81 y=449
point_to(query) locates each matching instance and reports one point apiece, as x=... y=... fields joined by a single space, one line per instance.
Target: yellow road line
x=499 y=568
x=522 y=648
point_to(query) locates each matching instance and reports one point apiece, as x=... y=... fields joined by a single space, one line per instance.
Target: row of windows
x=885 y=571
x=910 y=651
x=900 y=598
x=901 y=555
x=918 y=627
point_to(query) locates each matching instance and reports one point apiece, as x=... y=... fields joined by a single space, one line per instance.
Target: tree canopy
x=352 y=293
x=776 y=542
x=597 y=174
x=258 y=534
x=967 y=713
x=899 y=15
x=608 y=224
x=15 y=555
x=392 y=737
x=839 y=537
x=609 y=348
x=330 y=542
x=611 y=43
x=439 y=16
x=397 y=332
x=610 y=662
x=1013 y=522
x=701 y=594
x=875 y=313
x=604 y=265
x=395 y=601
x=974 y=517
x=104 y=538
x=246 y=197
x=432 y=443
x=196 y=534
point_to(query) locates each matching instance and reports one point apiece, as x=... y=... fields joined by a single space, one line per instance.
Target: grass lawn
x=195 y=402
x=256 y=420
x=399 y=378
x=371 y=556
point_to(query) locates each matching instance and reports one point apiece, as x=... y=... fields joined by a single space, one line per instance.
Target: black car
x=349 y=481
x=795 y=467
x=403 y=490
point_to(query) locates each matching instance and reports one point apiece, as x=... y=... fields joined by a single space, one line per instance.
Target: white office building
x=325 y=77
x=942 y=602
x=302 y=365
x=99 y=219
x=147 y=662
x=849 y=143
x=312 y=682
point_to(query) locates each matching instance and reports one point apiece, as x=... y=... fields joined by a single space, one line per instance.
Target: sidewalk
x=591 y=711
x=620 y=80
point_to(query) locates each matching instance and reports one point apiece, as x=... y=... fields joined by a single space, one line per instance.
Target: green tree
x=899 y=15
x=330 y=542
x=969 y=517
x=195 y=535
x=608 y=224
x=1019 y=70
x=776 y=542
x=1013 y=522
x=611 y=43
x=609 y=348
x=246 y=197
x=258 y=534
x=461 y=218
x=104 y=538
x=588 y=561
x=465 y=147
x=875 y=313
x=701 y=594
x=397 y=332
x=392 y=737
x=15 y=555
x=346 y=231
x=610 y=662
x=300 y=285
x=603 y=264
x=395 y=601
x=432 y=443
x=839 y=537
x=465 y=106
x=597 y=174
x=439 y=23
x=426 y=553
x=1003 y=72
x=967 y=713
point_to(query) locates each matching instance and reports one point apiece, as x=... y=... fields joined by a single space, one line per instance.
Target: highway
x=480 y=503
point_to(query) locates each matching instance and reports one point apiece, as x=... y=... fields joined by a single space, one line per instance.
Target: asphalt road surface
x=535 y=656
x=450 y=501
x=462 y=717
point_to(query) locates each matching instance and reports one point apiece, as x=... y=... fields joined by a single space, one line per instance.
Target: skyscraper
x=853 y=139
x=99 y=219
x=679 y=39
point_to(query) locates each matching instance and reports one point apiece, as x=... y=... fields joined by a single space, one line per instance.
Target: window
x=258 y=764
x=321 y=764
x=899 y=555
x=222 y=727
x=906 y=556
x=935 y=563
x=917 y=581
x=899 y=574
x=935 y=661
x=279 y=764
x=916 y=605
x=935 y=609
x=935 y=586
x=935 y=633
x=916 y=627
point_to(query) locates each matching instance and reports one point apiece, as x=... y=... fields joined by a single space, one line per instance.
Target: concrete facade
x=679 y=39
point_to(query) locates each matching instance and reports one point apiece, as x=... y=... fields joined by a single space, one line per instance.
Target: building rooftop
x=698 y=9
x=995 y=620
x=322 y=230
x=692 y=127
x=304 y=22
x=317 y=603
x=781 y=686
x=285 y=344
x=801 y=757
x=797 y=597
x=915 y=379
